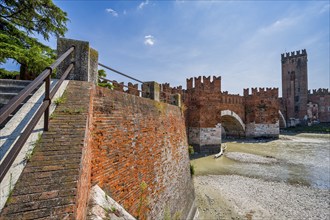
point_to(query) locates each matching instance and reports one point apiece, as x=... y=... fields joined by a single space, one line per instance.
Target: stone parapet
x=84 y=57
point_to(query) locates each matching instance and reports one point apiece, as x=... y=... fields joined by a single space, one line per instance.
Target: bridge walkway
x=48 y=186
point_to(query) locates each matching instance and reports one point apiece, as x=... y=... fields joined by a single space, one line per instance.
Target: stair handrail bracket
x=8 y=109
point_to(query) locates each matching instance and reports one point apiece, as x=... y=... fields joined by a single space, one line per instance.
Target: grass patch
x=74 y=111
x=30 y=152
x=60 y=100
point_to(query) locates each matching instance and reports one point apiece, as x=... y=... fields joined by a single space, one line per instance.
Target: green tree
x=19 y=21
x=104 y=83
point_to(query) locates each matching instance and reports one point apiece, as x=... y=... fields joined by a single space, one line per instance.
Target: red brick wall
x=322 y=98
x=138 y=140
x=262 y=106
x=294 y=84
x=84 y=182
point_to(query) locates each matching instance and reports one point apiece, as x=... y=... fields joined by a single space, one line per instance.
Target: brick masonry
x=262 y=112
x=208 y=108
x=294 y=84
x=321 y=98
x=55 y=182
x=137 y=141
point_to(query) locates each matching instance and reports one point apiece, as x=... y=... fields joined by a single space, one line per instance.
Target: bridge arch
x=232 y=124
x=282 y=120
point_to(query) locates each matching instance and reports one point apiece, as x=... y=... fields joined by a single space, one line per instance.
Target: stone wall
x=205 y=140
x=140 y=155
x=262 y=130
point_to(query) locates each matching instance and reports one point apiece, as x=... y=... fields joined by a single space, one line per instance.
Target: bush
x=191 y=150
x=192 y=170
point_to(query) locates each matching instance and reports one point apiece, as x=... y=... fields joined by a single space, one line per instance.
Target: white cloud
x=149 y=40
x=325 y=8
x=280 y=25
x=112 y=12
x=143 y=4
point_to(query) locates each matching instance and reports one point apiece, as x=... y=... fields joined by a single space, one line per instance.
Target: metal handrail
x=120 y=73
x=22 y=95
x=44 y=108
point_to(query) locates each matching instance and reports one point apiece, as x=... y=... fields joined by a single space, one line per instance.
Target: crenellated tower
x=294 y=84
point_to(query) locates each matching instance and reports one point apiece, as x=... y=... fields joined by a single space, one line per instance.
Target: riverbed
x=288 y=178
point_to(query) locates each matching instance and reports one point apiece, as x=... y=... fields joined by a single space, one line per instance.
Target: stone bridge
x=212 y=114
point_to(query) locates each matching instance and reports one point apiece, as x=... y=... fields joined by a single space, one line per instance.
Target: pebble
x=260 y=199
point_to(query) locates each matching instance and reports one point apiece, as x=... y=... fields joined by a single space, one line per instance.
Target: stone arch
x=232 y=124
x=282 y=120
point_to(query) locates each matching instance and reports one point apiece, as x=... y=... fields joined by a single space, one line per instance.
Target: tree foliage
x=104 y=83
x=20 y=20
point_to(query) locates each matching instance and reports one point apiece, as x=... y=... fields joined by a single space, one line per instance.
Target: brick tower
x=294 y=84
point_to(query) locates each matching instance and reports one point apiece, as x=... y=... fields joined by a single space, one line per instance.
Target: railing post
x=151 y=90
x=47 y=99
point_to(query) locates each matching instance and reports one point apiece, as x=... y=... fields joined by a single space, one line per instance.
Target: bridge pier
x=205 y=140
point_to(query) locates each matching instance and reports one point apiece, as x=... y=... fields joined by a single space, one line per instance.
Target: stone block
x=151 y=90
x=176 y=100
x=85 y=60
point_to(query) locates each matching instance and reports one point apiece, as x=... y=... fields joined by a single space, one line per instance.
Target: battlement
x=131 y=88
x=293 y=54
x=321 y=91
x=270 y=92
x=204 y=83
x=166 y=88
x=231 y=98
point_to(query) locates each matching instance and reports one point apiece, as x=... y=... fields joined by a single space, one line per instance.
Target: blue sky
x=169 y=41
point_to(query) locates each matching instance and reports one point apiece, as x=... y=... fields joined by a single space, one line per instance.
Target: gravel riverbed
x=283 y=179
x=238 y=197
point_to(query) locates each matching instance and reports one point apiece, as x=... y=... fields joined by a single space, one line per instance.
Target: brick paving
x=48 y=186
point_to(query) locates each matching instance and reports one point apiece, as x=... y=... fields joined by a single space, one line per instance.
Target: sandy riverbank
x=238 y=197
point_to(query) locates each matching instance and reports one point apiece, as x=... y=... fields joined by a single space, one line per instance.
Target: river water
x=301 y=160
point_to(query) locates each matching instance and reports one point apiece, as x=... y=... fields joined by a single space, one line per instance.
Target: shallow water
x=302 y=159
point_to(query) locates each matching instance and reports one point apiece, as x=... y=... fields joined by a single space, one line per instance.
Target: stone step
x=10 y=89
x=12 y=83
x=5 y=97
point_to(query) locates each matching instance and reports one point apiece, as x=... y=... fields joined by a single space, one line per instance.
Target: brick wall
x=294 y=84
x=262 y=112
x=136 y=141
x=321 y=97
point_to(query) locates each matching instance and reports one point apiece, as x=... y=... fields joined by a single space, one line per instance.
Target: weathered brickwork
x=261 y=106
x=137 y=141
x=294 y=84
x=321 y=98
x=55 y=182
x=211 y=113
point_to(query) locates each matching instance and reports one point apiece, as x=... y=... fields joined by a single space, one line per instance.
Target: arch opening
x=282 y=120
x=232 y=125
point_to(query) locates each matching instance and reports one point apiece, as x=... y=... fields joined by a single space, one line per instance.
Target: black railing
x=44 y=108
x=120 y=73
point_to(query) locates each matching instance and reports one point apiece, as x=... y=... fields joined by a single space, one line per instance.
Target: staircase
x=9 y=89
